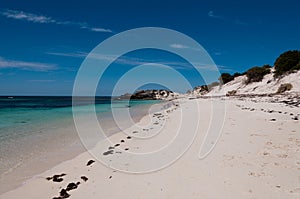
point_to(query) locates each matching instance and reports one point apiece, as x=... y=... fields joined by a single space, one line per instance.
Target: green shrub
x=286 y=62
x=267 y=66
x=256 y=74
x=236 y=75
x=297 y=67
x=225 y=78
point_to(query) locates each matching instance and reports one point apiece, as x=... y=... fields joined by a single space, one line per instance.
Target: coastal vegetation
x=256 y=74
x=286 y=63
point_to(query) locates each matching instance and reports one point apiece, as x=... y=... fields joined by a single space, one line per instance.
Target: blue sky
x=43 y=43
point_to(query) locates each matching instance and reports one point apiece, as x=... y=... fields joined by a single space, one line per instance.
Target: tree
x=286 y=62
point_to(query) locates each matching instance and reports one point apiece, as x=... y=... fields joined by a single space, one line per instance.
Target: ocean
x=37 y=133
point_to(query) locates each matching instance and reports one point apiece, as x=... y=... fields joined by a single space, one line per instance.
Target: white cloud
x=27 y=16
x=179 y=46
x=35 y=66
x=133 y=61
x=213 y=15
x=100 y=30
x=30 y=17
x=75 y=54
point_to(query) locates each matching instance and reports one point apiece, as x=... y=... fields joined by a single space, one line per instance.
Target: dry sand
x=256 y=156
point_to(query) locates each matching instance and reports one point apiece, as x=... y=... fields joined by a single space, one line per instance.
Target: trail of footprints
x=293 y=116
x=58 y=178
x=270 y=145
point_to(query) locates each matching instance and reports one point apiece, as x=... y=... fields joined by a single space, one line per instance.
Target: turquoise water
x=38 y=128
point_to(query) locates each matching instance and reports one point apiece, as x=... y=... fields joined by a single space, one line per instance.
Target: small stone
x=108 y=152
x=90 y=162
x=71 y=186
x=84 y=178
x=64 y=194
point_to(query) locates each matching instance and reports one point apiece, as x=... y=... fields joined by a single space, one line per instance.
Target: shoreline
x=16 y=176
x=248 y=161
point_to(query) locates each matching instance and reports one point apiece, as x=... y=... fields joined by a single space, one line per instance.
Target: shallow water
x=40 y=131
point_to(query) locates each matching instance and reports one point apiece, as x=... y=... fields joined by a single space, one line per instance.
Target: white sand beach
x=256 y=156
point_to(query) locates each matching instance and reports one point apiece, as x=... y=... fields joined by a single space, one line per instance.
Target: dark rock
x=108 y=152
x=128 y=137
x=284 y=87
x=56 y=178
x=84 y=178
x=71 y=186
x=90 y=162
x=64 y=194
x=147 y=95
x=231 y=93
x=122 y=140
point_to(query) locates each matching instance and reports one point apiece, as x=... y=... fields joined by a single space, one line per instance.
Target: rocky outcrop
x=284 y=87
x=202 y=90
x=149 y=95
x=231 y=93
